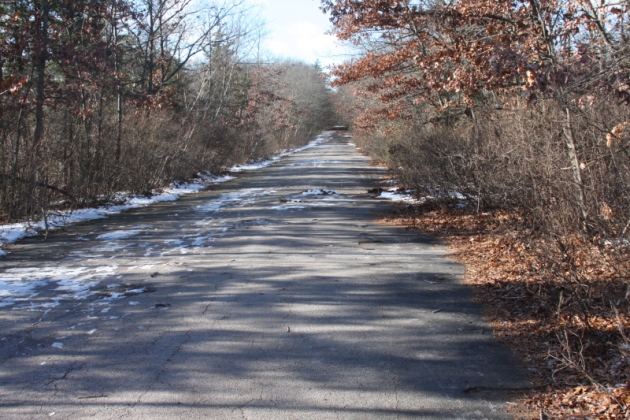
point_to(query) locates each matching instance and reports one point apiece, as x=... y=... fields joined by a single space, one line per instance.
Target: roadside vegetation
x=104 y=96
x=511 y=120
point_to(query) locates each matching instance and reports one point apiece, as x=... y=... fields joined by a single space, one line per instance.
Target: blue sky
x=297 y=29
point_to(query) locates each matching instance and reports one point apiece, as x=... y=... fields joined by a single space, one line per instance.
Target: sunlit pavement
x=275 y=295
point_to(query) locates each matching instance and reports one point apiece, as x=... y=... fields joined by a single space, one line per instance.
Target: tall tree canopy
x=420 y=48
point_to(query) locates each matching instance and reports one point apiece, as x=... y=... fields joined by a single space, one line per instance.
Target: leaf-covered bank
x=570 y=335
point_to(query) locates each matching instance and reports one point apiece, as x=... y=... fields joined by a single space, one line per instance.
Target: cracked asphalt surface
x=273 y=296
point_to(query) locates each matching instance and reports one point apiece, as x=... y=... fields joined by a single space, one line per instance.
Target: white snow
x=320 y=192
x=320 y=198
x=19 y=285
x=316 y=163
x=10 y=233
x=76 y=290
x=110 y=247
x=118 y=234
x=395 y=196
x=201 y=240
x=284 y=207
x=57 y=345
x=254 y=165
x=239 y=198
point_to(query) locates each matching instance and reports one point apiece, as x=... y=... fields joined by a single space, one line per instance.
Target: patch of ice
x=76 y=290
x=118 y=234
x=20 y=284
x=134 y=303
x=82 y=255
x=150 y=252
x=254 y=165
x=316 y=163
x=92 y=331
x=210 y=207
x=238 y=198
x=110 y=247
x=57 y=345
x=324 y=198
x=7 y=302
x=320 y=192
x=36 y=306
x=284 y=207
x=201 y=240
x=108 y=269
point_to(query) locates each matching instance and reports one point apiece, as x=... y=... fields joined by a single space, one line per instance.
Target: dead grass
x=564 y=312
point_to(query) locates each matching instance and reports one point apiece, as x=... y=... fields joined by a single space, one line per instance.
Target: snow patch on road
x=10 y=233
x=320 y=192
x=20 y=285
x=284 y=207
x=118 y=234
x=316 y=163
x=313 y=198
x=239 y=198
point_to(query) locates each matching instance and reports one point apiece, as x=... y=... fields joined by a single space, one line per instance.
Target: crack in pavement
x=160 y=372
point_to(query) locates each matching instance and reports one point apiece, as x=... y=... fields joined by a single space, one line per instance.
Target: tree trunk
x=40 y=83
x=575 y=167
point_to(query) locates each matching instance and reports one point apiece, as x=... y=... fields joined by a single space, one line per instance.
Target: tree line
x=536 y=90
x=103 y=96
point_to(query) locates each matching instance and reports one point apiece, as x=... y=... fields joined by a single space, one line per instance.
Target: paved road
x=273 y=296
